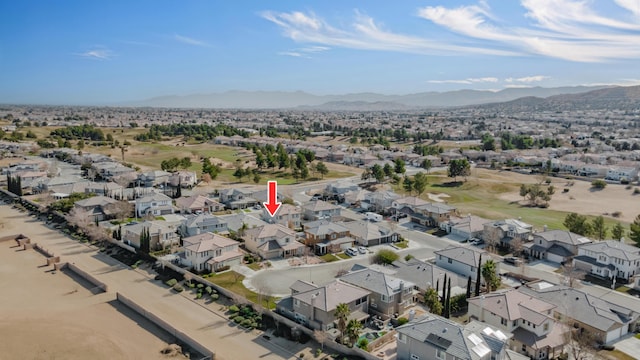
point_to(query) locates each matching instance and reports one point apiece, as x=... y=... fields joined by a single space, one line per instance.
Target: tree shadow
x=450 y=184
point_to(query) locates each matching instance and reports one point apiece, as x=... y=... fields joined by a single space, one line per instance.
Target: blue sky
x=96 y=52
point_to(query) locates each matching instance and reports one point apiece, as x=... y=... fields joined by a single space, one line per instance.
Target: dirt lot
x=46 y=315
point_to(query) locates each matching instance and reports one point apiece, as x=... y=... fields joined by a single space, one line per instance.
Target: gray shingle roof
x=376 y=281
x=612 y=248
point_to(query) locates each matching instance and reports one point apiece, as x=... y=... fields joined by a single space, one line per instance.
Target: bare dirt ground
x=581 y=197
x=47 y=315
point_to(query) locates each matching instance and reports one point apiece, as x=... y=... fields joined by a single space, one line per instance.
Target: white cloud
x=528 y=79
x=466 y=81
x=292 y=54
x=190 y=41
x=566 y=29
x=98 y=53
x=631 y=5
x=365 y=34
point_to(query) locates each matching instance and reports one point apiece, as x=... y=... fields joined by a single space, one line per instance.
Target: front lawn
x=343 y=256
x=329 y=258
x=232 y=281
x=402 y=244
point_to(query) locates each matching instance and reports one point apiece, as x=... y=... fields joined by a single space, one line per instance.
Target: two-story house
x=434 y=214
x=557 y=246
x=315 y=306
x=462 y=260
x=272 y=241
x=609 y=259
x=162 y=236
x=238 y=198
x=210 y=252
x=605 y=320
x=97 y=207
x=154 y=204
x=318 y=209
x=153 y=178
x=197 y=204
x=203 y=223
x=389 y=295
x=287 y=215
x=618 y=173
x=433 y=337
x=464 y=228
x=535 y=331
x=183 y=178
x=503 y=232
x=325 y=236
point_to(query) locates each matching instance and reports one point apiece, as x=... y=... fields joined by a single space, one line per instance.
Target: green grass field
x=232 y=281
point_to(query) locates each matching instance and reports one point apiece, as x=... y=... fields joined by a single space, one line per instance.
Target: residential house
x=154 y=204
x=315 y=306
x=368 y=233
x=318 y=209
x=432 y=214
x=210 y=252
x=153 y=178
x=464 y=228
x=287 y=215
x=535 y=331
x=162 y=236
x=272 y=241
x=506 y=233
x=619 y=173
x=609 y=259
x=239 y=222
x=357 y=198
x=238 y=198
x=203 y=223
x=434 y=337
x=605 y=320
x=426 y=275
x=380 y=201
x=557 y=246
x=186 y=179
x=197 y=204
x=462 y=260
x=324 y=236
x=97 y=208
x=109 y=189
x=389 y=295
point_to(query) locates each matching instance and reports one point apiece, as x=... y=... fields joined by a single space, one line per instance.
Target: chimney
x=544 y=228
x=401 y=286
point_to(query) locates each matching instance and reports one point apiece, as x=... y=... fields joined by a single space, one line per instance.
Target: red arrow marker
x=272 y=205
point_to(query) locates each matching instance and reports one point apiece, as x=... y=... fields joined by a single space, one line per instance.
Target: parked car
x=512 y=260
x=475 y=241
x=362 y=249
x=316 y=197
x=351 y=252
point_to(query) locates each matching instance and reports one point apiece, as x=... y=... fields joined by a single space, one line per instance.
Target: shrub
x=402 y=321
x=408 y=257
x=199 y=296
x=191 y=285
x=636 y=191
x=385 y=257
x=616 y=214
x=599 y=184
x=178 y=288
x=208 y=290
x=363 y=344
x=233 y=309
x=318 y=352
x=238 y=319
x=171 y=282
x=246 y=323
x=215 y=297
x=200 y=286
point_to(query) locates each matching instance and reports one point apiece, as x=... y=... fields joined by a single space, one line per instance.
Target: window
x=515 y=323
x=402 y=338
x=439 y=354
x=296 y=302
x=503 y=321
x=524 y=348
x=450 y=261
x=545 y=327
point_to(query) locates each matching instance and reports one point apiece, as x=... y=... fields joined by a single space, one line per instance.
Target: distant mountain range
x=523 y=98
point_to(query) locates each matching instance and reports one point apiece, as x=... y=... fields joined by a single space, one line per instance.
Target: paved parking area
x=544 y=265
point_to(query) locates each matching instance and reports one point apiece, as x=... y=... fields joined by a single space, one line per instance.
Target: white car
x=362 y=249
x=351 y=252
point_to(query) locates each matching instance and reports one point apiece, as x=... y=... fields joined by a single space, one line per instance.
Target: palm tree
x=353 y=330
x=489 y=274
x=342 y=314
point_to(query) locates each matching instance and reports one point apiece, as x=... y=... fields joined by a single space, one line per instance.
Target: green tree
x=618 y=231
x=634 y=234
x=342 y=314
x=426 y=164
x=432 y=301
x=385 y=256
x=491 y=278
x=387 y=169
x=488 y=142
x=353 y=330
x=598 y=228
x=399 y=166
x=599 y=184
x=185 y=162
x=378 y=173
x=407 y=184
x=256 y=178
x=459 y=167
x=322 y=169
x=420 y=182
x=239 y=173
x=577 y=224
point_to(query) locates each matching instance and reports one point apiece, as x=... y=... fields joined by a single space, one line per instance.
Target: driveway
x=630 y=345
